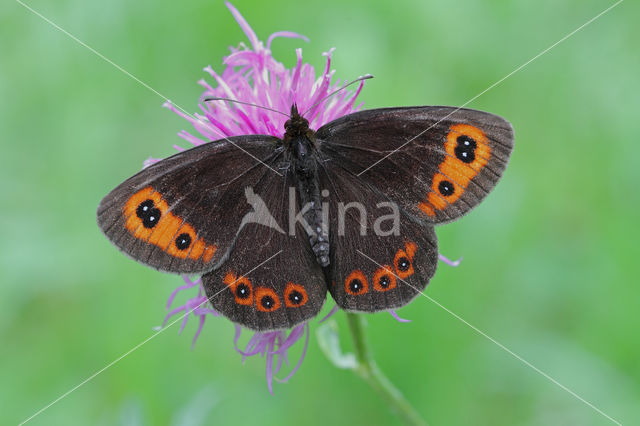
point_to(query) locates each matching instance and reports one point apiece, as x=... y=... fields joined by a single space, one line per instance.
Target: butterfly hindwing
x=182 y=213
x=381 y=258
x=271 y=279
x=435 y=162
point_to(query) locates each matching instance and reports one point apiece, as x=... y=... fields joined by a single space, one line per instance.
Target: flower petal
x=397 y=317
x=251 y=35
x=333 y=310
x=302 y=355
x=448 y=261
x=287 y=34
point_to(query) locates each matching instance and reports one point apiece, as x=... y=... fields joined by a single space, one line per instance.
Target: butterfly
x=272 y=224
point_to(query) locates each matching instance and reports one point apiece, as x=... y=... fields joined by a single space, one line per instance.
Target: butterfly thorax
x=296 y=125
x=300 y=142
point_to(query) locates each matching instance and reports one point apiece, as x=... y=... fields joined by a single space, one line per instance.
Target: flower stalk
x=370 y=373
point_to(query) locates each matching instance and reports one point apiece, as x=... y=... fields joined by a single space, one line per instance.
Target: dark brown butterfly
x=349 y=208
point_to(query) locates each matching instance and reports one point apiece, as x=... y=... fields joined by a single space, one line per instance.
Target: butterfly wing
x=183 y=213
x=436 y=162
x=380 y=258
x=271 y=280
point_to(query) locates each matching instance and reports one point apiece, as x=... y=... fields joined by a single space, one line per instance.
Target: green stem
x=369 y=371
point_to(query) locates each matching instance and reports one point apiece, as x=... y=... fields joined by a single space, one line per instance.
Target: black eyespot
x=267 y=302
x=356 y=285
x=465 y=149
x=183 y=241
x=385 y=280
x=244 y=292
x=403 y=265
x=295 y=297
x=144 y=207
x=446 y=188
x=148 y=213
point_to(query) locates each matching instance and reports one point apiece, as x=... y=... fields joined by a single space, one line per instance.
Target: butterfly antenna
x=364 y=77
x=215 y=98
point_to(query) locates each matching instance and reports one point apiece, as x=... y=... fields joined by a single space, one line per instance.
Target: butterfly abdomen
x=305 y=170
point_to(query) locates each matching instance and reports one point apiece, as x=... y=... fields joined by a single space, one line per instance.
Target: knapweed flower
x=252 y=75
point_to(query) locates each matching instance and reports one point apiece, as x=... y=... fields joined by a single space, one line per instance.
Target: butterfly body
x=348 y=209
x=301 y=144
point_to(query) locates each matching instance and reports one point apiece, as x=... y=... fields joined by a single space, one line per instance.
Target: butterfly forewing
x=181 y=214
x=436 y=162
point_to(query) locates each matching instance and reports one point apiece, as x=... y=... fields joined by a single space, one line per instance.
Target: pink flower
x=195 y=305
x=274 y=345
x=252 y=75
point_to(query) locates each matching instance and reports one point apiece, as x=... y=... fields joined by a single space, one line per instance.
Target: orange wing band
x=148 y=218
x=468 y=151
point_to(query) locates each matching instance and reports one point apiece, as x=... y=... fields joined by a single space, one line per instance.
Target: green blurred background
x=550 y=259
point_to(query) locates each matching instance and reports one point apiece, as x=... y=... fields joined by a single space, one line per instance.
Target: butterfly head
x=296 y=125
